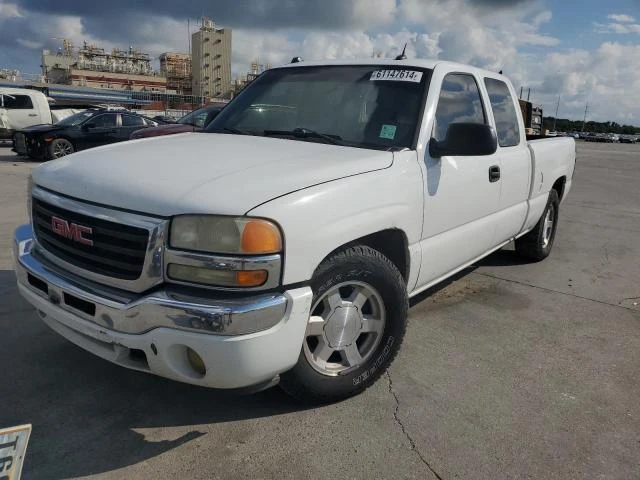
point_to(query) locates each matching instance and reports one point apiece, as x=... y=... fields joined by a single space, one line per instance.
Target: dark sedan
x=192 y=122
x=91 y=128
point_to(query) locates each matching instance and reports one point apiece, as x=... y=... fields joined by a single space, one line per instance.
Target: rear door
x=130 y=123
x=461 y=198
x=21 y=110
x=513 y=157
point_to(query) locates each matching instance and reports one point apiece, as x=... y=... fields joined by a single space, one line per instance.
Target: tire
x=60 y=147
x=536 y=245
x=360 y=304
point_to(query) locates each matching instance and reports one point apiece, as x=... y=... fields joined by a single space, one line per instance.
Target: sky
x=581 y=51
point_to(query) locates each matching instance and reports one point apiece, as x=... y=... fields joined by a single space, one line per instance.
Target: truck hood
x=202 y=172
x=41 y=128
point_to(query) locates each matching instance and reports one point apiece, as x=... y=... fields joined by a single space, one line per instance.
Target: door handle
x=113 y=131
x=33 y=115
x=494 y=173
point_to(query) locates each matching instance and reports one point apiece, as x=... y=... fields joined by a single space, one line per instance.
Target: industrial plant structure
x=92 y=66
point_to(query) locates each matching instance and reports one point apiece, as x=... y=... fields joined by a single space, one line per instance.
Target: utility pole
x=586 y=109
x=555 y=119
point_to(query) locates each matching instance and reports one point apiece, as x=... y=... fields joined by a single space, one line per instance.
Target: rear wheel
x=60 y=147
x=357 y=324
x=536 y=245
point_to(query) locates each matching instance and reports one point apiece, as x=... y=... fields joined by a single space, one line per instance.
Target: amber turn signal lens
x=260 y=236
x=251 y=278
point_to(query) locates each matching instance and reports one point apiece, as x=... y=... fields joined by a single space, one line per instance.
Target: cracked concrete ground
x=511 y=370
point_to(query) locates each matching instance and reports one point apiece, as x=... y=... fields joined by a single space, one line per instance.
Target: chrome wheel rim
x=345 y=328
x=61 y=149
x=547 y=231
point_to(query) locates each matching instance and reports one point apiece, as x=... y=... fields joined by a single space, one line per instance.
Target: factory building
x=211 y=61
x=92 y=66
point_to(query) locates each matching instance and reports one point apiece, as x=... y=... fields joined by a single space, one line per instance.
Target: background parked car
x=628 y=139
x=192 y=122
x=164 y=119
x=91 y=128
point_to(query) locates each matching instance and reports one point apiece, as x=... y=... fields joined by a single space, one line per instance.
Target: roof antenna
x=402 y=56
x=296 y=59
x=500 y=72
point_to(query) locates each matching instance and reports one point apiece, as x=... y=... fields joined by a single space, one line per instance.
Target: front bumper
x=242 y=341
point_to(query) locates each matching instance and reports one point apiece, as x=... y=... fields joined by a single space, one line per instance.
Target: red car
x=192 y=122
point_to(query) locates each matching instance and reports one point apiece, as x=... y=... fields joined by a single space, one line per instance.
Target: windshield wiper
x=307 y=133
x=236 y=131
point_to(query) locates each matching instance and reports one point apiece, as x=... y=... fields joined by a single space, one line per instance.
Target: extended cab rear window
x=363 y=106
x=504 y=112
x=17 y=102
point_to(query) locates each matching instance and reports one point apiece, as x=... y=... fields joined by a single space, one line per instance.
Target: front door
x=461 y=198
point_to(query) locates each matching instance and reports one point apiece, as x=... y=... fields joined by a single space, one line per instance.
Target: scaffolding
x=176 y=67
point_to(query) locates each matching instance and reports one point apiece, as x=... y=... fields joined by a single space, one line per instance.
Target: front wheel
x=536 y=245
x=357 y=323
x=60 y=147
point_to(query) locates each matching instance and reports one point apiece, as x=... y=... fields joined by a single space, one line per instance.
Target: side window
x=504 y=112
x=131 y=121
x=459 y=102
x=105 y=121
x=17 y=102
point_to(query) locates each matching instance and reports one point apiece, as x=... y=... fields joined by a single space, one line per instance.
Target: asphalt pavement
x=510 y=370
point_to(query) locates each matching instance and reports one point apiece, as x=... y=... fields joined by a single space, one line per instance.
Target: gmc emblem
x=72 y=231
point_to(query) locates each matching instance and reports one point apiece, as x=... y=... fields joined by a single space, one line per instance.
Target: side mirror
x=88 y=126
x=465 y=139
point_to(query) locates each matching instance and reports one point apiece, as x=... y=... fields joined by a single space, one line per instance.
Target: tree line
x=566 y=125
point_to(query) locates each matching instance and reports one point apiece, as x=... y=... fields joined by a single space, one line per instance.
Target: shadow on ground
x=84 y=410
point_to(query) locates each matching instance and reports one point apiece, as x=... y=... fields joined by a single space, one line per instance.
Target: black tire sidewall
x=360 y=264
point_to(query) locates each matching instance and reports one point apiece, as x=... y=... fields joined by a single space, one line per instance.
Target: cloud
x=621 y=18
x=619 y=28
x=603 y=77
x=495 y=34
x=9 y=10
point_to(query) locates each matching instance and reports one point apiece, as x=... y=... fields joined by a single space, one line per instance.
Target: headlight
x=226 y=235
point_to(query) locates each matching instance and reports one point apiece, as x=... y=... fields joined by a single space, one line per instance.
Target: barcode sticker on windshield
x=397 y=75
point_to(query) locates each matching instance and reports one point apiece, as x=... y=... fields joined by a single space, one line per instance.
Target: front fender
x=322 y=218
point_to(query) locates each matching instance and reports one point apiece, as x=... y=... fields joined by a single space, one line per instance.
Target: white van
x=21 y=108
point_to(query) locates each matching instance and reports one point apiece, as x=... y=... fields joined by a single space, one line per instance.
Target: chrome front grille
x=104 y=245
x=116 y=250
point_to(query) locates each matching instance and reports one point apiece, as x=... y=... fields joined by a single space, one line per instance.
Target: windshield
x=197 y=118
x=75 y=119
x=368 y=106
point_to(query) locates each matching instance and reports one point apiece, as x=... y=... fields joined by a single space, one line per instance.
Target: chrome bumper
x=130 y=313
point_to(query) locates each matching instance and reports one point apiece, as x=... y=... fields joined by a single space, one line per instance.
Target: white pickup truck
x=20 y=108
x=283 y=244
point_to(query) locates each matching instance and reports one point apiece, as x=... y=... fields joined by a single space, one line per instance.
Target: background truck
x=283 y=244
x=20 y=108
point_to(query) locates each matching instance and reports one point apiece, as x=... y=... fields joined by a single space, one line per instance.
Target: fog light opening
x=196 y=362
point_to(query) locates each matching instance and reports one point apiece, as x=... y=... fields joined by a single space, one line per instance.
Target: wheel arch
x=391 y=242
x=559 y=186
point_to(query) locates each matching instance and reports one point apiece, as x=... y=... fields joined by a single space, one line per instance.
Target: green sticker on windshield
x=388 y=132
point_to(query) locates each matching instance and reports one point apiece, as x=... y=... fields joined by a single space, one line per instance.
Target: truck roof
x=22 y=91
x=408 y=63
